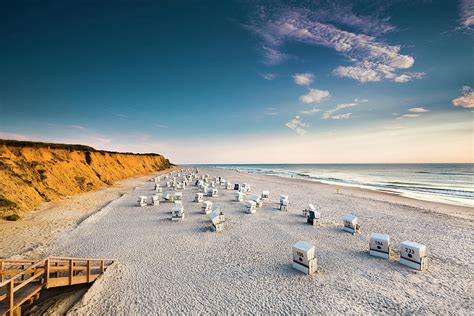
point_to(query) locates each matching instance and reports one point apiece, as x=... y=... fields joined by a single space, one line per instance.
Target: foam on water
x=446 y=183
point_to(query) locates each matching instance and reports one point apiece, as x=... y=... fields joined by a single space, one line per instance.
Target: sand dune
x=169 y=267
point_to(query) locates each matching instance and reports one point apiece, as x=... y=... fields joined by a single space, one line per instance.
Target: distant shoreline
x=460 y=211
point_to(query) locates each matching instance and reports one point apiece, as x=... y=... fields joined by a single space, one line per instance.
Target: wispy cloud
x=366 y=72
x=371 y=58
x=304 y=79
x=315 y=96
x=407 y=116
x=467 y=13
x=310 y=111
x=412 y=113
x=467 y=99
x=418 y=110
x=344 y=116
x=330 y=113
x=409 y=76
x=82 y=128
x=269 y=76
x=273 y=56
x=343 y=14
x=297 y=125
x=271 y=111
x=161 y=125
x=121 y=115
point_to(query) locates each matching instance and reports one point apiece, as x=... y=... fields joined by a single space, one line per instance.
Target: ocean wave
x=377 y=179
x=303 y=174
x=447 y=173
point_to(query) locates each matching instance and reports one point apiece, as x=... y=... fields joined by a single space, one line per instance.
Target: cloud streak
x=269 y=76
x=344 y=116
x=418 y=110
x=82 y=128
x=467 y=13
x=404 y=116
x=412 y=113
x=329 y=114
x=273 y=56
x=371 y=59
x=310 y=111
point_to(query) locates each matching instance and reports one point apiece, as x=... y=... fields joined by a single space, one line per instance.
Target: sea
x=445 y=183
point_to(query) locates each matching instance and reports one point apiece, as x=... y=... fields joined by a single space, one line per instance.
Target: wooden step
x=47 y=273
x=21 y=296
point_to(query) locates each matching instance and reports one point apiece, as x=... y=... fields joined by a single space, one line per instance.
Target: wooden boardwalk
x=22 y=280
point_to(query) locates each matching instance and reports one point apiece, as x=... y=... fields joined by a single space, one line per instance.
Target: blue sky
x=243 y=81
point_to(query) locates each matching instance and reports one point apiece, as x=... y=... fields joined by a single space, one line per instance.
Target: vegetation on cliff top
x=22 y=143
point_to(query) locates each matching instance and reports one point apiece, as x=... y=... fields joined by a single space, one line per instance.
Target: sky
x=361 y=81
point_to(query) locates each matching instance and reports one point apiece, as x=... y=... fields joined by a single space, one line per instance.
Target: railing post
x=56 y=274
x=71 y=271
x=1 y=274
x=88 y=271
x=11 y=296
x=102 y=266
x=46 y=273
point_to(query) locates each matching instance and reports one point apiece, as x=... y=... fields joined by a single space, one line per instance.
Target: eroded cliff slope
x=31 y=173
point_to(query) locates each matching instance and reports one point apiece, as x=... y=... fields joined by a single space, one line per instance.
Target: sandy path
x=169 y=267
x=30 y=237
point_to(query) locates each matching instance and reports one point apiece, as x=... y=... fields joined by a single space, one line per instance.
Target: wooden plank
x=31 y=279
x=79 y=279
x=61 y=281
x=30 y=293
x=69 y=258
x=64 y=281
x=9 y=272
x=11 y=296
x=88 y=271
x=46 y=272
x=71 y=271
x=17 y=261
x=31 y=269
x=75 y=268
x=25 y=294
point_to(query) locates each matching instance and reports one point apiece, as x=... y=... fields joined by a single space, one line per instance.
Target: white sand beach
x=183 y=267
x=360 y=112
x=32 y=235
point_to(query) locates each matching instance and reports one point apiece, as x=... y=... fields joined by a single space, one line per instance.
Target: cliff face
x=31 y=173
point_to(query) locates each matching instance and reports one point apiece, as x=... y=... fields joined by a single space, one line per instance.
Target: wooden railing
x=12 y=267
x=22 y=280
